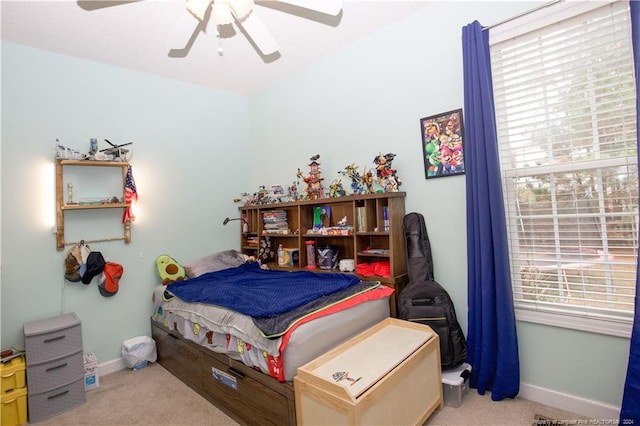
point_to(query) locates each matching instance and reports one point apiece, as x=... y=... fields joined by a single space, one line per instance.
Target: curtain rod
x=542 y=6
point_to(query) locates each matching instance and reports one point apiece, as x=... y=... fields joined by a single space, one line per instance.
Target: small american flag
x=130 y=195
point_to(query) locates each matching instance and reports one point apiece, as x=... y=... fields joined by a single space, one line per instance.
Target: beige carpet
x=153 y=396
x=150 y=396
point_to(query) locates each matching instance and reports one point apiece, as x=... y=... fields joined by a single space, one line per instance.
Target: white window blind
x=564 y=95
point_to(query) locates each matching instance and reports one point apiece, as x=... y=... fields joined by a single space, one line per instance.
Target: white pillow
x=214 y=262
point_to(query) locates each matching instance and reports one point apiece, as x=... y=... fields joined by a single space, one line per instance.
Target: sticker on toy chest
x=344 y=375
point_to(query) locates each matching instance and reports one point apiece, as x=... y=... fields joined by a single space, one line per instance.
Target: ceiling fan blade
x=258 y=32
x=183 y=30
x=329 y=7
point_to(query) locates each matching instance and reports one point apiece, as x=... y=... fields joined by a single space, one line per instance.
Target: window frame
x=562 y=317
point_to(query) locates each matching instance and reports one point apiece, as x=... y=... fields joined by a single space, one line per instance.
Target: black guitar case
x=424 y=300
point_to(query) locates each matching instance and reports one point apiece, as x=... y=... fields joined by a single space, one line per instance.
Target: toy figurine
x=314 y=180
x=336 y=189
x=386 y=176
x=70 y=194
x=262 y=196
x=351 y=171
x=293 y=191
x=367 y=181
x=245 y=199
x=277 y=195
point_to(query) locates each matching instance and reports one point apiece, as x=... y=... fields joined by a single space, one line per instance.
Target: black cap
x=95 y=266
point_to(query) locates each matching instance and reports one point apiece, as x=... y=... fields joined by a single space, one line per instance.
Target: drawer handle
x=53 y=339
x=58 y=395
x=56 y=367
x=235 y=372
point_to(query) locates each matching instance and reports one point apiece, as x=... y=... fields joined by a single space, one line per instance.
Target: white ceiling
x=134 y=35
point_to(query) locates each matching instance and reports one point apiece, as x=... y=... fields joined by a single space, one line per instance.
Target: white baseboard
x=111 y=366
x=564 y=401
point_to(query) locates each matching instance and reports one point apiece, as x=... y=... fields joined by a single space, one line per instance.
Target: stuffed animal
x=169 y=269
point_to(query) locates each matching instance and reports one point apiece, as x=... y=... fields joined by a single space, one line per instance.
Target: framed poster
x=442 y=144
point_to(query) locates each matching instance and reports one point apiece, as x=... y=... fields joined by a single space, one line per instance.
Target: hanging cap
x=84 y=252
x=95 y=266
x=72 y=265
x=109 y=284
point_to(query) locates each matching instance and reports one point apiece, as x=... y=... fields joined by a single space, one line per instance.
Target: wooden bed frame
x=248 y=396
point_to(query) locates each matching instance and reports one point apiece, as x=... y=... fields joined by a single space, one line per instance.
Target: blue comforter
x=259 y=293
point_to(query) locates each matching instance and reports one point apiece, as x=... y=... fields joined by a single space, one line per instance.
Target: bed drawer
x=257 y=400
x=178 y=357
x=235 y=390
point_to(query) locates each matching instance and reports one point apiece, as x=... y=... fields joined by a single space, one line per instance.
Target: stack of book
x=275 y=222
x=252 y=241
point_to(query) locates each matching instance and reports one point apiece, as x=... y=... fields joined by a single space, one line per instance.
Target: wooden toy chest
x=388 y=375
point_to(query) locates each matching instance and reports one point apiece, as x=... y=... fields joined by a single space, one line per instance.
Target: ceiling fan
x=242 y=14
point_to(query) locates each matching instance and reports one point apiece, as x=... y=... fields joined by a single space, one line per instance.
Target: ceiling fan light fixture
x=241 y=13
x=224 y=11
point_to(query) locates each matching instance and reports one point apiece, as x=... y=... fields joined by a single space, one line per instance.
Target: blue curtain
x=492 y=340
x=630 y=411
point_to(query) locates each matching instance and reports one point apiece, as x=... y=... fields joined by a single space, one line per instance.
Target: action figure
x=314 y=180
x=387 y=177
x=336 y=189
x=351 y=171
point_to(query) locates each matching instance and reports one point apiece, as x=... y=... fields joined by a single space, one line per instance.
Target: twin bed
x=236 y=333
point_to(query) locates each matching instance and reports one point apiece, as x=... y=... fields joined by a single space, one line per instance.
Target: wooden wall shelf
x=93 y=207
x=61 y=206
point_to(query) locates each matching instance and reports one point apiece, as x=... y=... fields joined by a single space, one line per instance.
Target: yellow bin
x=12 y=373
x=14 y=407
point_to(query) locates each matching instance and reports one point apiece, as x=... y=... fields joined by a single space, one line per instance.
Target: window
x=564 y=93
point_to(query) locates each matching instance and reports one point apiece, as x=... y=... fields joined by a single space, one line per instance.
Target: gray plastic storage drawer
x=56 y=401
x=48 y=375
x=52 y=338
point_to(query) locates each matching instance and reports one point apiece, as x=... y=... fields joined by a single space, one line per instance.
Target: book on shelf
x=278 y=225
x=321 y=217
x=375 y=251
x=385 y=218
x=276 y=231
x=274 y=214
x=361 y=219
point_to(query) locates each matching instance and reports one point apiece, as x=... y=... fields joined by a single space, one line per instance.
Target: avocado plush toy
x=170 y=271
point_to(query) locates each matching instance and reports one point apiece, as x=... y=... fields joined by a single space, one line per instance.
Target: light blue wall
x=189 y=141
x=368 y=98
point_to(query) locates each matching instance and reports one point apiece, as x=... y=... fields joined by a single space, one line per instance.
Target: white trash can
x=137 y=351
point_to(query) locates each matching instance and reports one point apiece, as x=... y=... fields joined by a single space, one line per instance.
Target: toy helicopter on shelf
x=116 y=152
